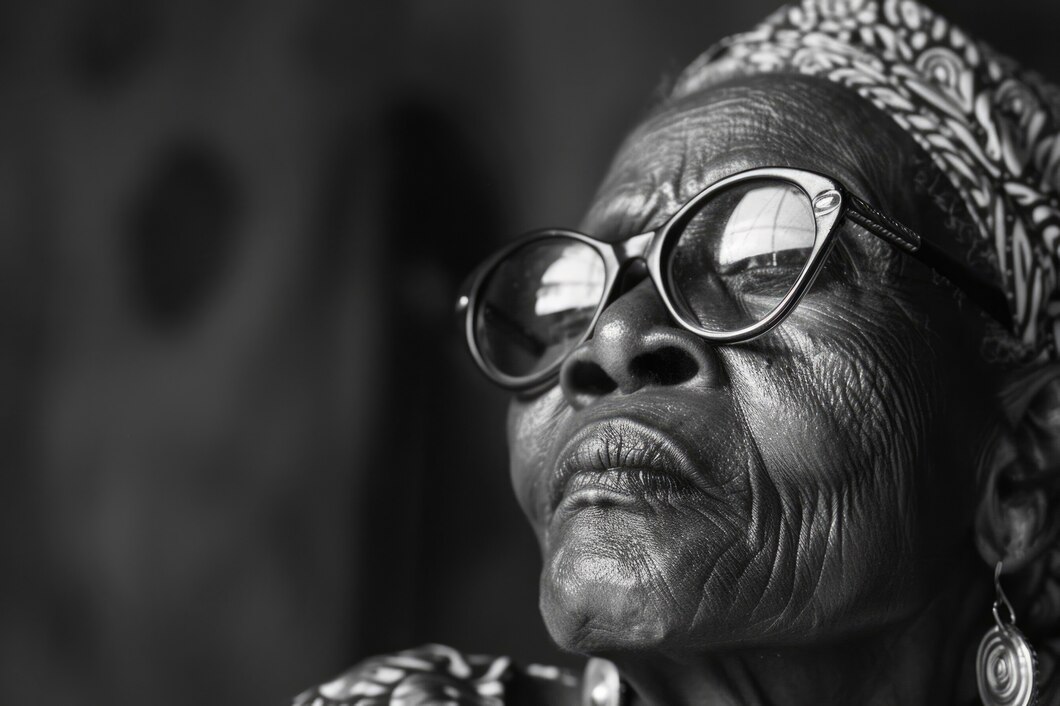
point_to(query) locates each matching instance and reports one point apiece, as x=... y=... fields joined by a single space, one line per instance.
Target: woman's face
x=814 y=482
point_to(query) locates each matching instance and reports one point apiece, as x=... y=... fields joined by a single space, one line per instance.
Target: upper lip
x=619 y=444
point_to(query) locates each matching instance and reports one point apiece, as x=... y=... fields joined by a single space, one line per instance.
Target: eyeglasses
x=730 y=265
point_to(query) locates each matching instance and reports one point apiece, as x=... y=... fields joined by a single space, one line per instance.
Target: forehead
x=763 y=121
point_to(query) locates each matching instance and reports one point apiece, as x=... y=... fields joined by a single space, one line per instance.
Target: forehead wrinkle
x=631 y=209
x=668 y=160
x=636 y=190
x=751 y=122
x=707 y=134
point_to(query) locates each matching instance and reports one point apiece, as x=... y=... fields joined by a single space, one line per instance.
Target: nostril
x=588 y=378
x=664 y=366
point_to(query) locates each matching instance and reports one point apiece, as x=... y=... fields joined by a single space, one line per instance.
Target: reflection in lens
x=741 y=253
x=537 y=304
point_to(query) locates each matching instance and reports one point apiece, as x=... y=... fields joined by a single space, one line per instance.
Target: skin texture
x=788 y=520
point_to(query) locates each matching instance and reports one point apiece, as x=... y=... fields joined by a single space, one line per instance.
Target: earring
x=1006 y=666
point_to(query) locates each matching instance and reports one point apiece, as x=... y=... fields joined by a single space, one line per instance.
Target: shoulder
x=434 y=674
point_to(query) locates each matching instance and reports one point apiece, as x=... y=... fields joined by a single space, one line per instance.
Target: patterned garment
x=438 y=674
x=990 y=126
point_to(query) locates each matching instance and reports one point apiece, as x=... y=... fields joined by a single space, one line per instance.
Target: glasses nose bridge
x=635 y=246
x=627 y=254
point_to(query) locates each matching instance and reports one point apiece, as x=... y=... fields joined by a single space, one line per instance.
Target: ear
x=1019 y=510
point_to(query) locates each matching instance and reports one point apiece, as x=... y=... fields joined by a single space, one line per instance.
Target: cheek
x=842 y=410
x=532 y=426
x=848 y=423
x=828 y=519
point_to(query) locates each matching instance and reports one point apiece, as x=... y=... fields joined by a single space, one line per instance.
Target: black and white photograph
x=530 y=353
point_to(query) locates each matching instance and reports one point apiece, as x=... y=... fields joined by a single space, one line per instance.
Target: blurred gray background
x=243 y=444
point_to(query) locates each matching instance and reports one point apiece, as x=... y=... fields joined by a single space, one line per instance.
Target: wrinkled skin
x=821 y=549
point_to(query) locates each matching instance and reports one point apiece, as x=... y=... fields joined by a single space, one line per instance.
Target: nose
x=636 y=345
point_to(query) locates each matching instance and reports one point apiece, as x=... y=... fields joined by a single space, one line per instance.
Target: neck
x=927 y=659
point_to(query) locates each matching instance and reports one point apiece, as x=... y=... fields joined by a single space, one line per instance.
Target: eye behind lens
x=739 y=253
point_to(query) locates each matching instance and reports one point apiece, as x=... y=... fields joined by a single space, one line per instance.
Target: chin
x=602 y=617
x=601 y=593
x=621 y=579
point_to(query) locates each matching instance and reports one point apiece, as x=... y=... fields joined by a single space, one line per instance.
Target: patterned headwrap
x=990 y=126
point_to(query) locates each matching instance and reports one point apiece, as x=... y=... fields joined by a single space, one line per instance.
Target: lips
x=619 y=460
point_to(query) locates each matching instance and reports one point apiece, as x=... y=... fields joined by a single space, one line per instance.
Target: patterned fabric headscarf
x=990 y=126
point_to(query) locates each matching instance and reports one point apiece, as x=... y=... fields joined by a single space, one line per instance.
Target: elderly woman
x=786 y=417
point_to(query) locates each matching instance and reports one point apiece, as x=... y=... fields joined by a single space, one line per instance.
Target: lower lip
x=626 y=486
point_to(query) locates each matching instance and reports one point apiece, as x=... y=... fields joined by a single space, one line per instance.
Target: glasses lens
x=741 y=252
x=537 y=304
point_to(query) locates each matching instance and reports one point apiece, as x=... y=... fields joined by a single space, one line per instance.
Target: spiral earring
x=1006 y=666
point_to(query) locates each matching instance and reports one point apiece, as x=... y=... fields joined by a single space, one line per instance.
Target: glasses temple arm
x=984 y=293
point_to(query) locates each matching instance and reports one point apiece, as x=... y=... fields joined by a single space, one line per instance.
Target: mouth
x=620 y=462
